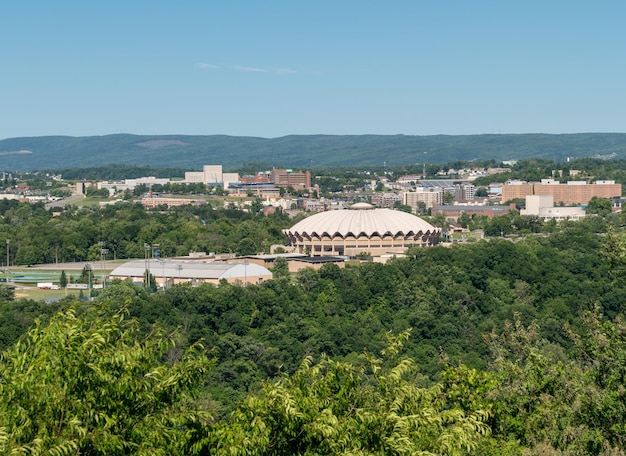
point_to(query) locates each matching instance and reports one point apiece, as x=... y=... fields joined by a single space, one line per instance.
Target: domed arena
x=360 y=229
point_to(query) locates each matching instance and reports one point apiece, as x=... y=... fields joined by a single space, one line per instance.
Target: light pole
x=163 y=272
x=88 y=266
x=103 y=252
x=147 y=247
x=8 y=250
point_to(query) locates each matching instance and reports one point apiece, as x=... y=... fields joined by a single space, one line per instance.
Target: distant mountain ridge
x=192 y=152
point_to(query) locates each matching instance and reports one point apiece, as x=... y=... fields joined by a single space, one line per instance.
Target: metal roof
x=215 y=270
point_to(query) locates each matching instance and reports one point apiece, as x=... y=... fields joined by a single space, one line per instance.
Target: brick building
x=289 y=178
x=573 y=192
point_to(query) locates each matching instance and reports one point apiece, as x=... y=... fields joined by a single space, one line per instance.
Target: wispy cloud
x=248 y=69
x=251 y=69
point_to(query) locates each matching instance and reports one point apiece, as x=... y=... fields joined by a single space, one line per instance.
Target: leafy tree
x=402 y=207
x=60 y=192
x=558 y=404
x=440 y=221
x=29 y=254
x=281 y=268
x=149 y=281
x=307 y=278
x=246 y=246
x=7 y=293
x=481 y=192
x=97 y=192
x=63 y=279
x=140 y=189
x=614 y=250
x=499 y=225
x=90 y=385
x=86 y=275
x=369 y=407
x=257 y=206
x=599 y=206
x=464 y=219
x=448 y=198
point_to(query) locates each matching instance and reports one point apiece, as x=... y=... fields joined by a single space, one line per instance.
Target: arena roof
x=360 y=220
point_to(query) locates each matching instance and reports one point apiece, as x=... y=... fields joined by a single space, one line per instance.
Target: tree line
x=37 y=235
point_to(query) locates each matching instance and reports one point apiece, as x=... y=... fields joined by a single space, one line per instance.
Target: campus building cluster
x=263 y=184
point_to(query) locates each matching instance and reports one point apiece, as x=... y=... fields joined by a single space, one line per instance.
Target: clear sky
x=272 y=68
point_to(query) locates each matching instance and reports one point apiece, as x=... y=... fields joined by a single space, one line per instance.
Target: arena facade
x=360 y=229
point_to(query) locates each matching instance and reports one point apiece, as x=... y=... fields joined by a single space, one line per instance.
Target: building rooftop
x=189 y=269
x=362 y=219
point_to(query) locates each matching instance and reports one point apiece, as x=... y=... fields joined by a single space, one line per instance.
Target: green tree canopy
x=90 y=385
x=371 y=407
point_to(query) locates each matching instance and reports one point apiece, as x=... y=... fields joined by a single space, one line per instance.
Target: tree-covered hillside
x=491 y=348
x=192 y=152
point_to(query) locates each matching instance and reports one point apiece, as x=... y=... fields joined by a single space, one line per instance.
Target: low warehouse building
x=172 y=272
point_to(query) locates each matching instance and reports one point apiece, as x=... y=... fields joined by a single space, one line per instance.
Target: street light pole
x=147 y=247
x=163 y=273
x=89 y=285
x=8 y=250
x=103 y=252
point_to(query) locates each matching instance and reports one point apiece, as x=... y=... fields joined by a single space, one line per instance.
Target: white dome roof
x=361 y=220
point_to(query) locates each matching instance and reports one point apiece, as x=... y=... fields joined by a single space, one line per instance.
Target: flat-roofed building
x=316 y=262
x=430 y=196
x=543 y=206
x=516 y=190
x=573 y=192
x=295 y=261
x=211 y=174
x=155 y=201
x=386 y=199
x=290 y=178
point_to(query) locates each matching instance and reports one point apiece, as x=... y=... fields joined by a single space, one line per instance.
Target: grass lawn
x=44 y=295
x=26 y=280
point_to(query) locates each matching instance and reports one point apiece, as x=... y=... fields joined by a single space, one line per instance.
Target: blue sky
x=273 y=68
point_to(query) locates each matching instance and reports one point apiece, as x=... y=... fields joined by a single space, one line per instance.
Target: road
x=64 y=201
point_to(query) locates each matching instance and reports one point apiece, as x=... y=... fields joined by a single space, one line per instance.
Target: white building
x=543 y=206
x=211 y=174
x=168 y=272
